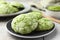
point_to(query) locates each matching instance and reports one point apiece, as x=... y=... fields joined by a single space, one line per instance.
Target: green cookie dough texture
x=3 y=2
x=54 y=8
x=17 y=4
x=7 y=9
x=12 y=9
x=44 y=24
x=23 y=24
x=35 y=15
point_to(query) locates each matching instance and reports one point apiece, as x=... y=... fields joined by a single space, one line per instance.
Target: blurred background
x=39 y=2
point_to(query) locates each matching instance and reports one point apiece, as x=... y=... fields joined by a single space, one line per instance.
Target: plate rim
x=29 y=36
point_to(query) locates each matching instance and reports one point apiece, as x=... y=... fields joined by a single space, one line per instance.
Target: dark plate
x=25 y=9
x=34 y=34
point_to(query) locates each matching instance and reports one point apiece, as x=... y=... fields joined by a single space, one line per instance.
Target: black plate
x=34 y=34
